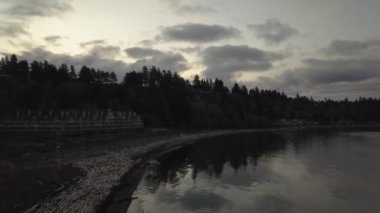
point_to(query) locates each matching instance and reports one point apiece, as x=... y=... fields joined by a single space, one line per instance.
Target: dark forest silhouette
x=164 y=98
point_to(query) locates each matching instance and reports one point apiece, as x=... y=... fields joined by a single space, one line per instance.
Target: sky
x=322 y=49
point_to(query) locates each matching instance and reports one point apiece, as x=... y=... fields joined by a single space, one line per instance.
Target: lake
x=320 y=170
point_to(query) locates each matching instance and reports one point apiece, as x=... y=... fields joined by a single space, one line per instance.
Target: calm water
x=280 y=171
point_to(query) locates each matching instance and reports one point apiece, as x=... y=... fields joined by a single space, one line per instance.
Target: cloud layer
x=186 y=9
x=24 y=9
x=197 y=33
x=370 y=48
x=103 y=56
x=92 y=43
x=273 y=31
x=153 y=57
x=18 y=14
x=53 y=39
x=95 y=58
x=224 y=61
x=12 y=29
x=212 y=42
x=356 y=74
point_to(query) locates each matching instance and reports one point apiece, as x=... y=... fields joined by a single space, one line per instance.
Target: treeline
x=164 y=98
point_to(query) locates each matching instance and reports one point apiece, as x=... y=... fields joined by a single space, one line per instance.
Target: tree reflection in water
x=269 y=171
x=210 y=157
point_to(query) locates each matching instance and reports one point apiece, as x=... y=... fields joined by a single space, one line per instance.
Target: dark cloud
x=186 y=9
x=105 y=51
x=101 y=49
x=224 y=61
x=352 y=70
x=153 y=57
x=138 y=52
x=146 y=43
x=196 y=9
x=348 y=70
x=195 y=49
x=21 y=44
x=12 y=29
x=104 y=57
x=92 y=59
x=292 y=85
x=273 y=31
x=353 y=48
x=53 y=39
x=201 y=33
x=351 y=90
x=334 y=78
x=18 y=13
x=24 y=9
x=92 y=43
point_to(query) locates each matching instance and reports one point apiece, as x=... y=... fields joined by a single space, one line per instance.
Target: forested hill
x=163 y=98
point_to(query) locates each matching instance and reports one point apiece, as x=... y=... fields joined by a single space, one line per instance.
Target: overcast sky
x=324 y=48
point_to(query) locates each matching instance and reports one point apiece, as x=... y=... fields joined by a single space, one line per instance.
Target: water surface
x=274 y=171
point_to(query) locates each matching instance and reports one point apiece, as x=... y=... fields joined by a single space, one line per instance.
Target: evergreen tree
x=236 y=89
x=72 y=73
x=196 y=82
x=164 y=98
x=86 y=75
